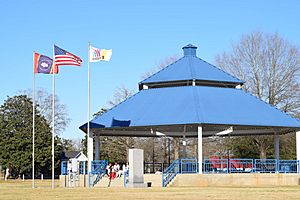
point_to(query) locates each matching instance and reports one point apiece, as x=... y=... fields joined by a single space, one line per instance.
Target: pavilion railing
x=126 y=176
x=98 y=171
x=288 y=166
x=169 y=174
x=188 y=166
x=153 y=167
x=215 y=165
x=265 y=165
x=240 y=165
x=179 y=166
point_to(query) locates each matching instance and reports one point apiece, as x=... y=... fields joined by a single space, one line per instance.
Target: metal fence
x=288 y=166
x=265 y=165
x=99 y=166
x=240 y=165
x=215 y=165
x=151 y=168
x=188 y=166
x=169 y=174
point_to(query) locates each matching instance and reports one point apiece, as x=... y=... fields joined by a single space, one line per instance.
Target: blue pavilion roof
x=190 y=67
x=194 y=105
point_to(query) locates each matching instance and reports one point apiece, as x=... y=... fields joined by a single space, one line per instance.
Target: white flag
x=97 y=55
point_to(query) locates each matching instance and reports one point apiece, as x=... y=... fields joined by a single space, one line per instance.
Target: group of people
x=113 y=170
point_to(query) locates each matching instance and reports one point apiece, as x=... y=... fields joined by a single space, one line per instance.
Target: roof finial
x=189 y=50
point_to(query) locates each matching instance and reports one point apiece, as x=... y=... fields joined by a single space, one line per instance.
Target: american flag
x=62 y=57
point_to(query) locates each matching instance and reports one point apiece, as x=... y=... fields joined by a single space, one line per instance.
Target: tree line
x=16 y=134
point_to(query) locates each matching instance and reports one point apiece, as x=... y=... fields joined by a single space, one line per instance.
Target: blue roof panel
x=189 y=68
x=195 y=105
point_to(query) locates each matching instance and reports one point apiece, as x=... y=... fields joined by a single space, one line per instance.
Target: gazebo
x=191 y=98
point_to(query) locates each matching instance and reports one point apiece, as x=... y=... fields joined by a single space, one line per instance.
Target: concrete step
x=117 y=182
x=155 y=179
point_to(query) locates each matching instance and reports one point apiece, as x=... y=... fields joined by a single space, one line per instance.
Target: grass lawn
x=17 y=189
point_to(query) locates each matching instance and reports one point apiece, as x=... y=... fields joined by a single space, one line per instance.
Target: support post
x=90 y=151
x=298 y=150
x=97 y=147
x=184 y=147
x=169 y=151
x=276 y=146
x=200 y=149
x=298 y=145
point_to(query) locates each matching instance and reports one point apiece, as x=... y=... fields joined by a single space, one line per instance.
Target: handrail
x=126 y=174
x=169 y=174
x=98 y=169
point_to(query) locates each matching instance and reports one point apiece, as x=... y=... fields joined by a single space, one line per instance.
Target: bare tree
x=162 y=64
x=121 y=94
x=44 y=100
x=115 y=148
x=270 y=67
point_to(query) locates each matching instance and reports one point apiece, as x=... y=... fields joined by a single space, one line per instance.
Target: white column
x=90 y=150
x=200 y=149
x=298 y=145
x=276 y=146
x=97 y=147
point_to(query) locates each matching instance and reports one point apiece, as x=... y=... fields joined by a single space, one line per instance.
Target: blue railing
x=98 y=171
x=179 y=166
x=288 y=166
x=215 y=166
x=265 y=165
x=99 y=166
x=240 y=165
x=126 y=174
x=188 y=166
x=152 y=167
x=169 y=174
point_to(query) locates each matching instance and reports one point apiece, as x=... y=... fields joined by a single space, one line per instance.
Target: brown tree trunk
x=262 y=152
x=195 y=148
x=176 y=148
x=262 y=144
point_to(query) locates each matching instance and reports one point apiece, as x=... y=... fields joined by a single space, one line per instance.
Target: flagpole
x=33 y=122
x=53 y=123
x=88 y=124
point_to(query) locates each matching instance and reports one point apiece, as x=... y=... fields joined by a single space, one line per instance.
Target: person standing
x=108 y=169
x=7 y=173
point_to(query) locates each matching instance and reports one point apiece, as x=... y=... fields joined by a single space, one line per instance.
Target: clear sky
x=141 y=34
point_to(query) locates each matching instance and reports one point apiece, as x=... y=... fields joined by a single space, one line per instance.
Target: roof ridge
x=192 y=71
x=161 y=70
x=220 y=70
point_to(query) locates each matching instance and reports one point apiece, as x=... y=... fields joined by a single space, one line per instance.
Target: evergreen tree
x=16 y=138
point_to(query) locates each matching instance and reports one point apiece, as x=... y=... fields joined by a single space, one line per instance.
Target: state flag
x=44 y=64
